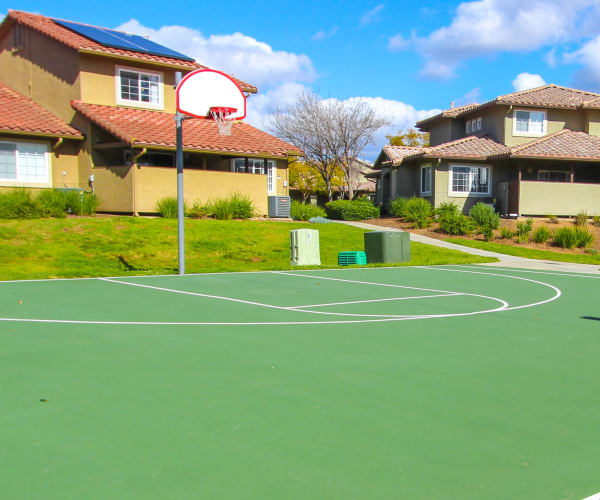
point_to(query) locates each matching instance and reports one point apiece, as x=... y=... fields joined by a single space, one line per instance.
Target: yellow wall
x=558 y=198
x=44 y=70
x=154 y=183
x=114 y=187
x=557 y=120
x=98 y=80
x=592 y=121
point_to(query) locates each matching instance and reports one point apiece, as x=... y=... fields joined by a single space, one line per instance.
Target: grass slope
x=117 y=246
x=529 y=253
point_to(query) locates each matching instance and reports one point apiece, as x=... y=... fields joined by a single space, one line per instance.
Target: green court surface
x=462 y=382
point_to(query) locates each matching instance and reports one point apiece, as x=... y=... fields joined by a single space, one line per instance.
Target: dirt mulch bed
x=434 y=232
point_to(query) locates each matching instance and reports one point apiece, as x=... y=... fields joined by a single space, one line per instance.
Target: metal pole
x=180 y=200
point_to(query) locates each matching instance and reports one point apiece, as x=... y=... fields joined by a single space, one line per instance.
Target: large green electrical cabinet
x=387 y=246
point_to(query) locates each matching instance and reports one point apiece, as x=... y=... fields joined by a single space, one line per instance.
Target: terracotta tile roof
x=546 y=96
x=472 y=147
x=563 y=145
x=448 y=113
x=80 y=43
x=141 y=127
x=20 y=114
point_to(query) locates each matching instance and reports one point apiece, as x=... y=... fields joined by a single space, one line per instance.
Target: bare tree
x=304 y=125
x=330 y=132
x=351 y=127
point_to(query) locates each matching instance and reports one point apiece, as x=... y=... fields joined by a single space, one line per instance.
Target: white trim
x=466 y=194
x=272 y=173
x=139 y=104
x=47 y=182
x=515 y=133
x=425 y=193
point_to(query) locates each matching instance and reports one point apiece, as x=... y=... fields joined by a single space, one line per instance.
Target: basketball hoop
x=220 y=114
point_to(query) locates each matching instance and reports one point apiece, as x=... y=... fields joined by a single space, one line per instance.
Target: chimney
x=451 y=104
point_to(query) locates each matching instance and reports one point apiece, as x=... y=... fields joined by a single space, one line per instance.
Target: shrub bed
x=22 y=204
x=351 y=210
x=456 y=224
x=303 y=211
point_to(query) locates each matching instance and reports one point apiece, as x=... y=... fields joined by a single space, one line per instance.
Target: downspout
x=58 y=143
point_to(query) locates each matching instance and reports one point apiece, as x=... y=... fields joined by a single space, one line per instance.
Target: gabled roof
x=48 y=27
x=472 y=147
x=21 y=115
x=143 y=128
x=546 y=96
x=562 y=145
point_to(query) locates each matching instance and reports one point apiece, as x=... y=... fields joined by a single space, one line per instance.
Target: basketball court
x=413 y=382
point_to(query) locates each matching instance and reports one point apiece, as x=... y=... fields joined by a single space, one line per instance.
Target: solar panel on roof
x=120 y=40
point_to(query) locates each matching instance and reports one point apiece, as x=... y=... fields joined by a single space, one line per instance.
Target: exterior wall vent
x=279 y=206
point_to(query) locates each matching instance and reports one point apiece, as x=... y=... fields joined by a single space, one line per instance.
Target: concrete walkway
x=505 y=260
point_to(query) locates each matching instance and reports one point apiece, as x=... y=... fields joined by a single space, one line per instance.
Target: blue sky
x=406 y=58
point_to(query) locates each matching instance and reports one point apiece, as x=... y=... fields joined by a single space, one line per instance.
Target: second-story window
x=139 y=88
x=529 y=123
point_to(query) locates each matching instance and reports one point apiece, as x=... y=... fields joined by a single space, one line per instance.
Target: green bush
x=487 y=232
x=88 y=204
x=397 y=207
x=456 y=224
x=484 y=216
x=522 y=238
x=565 y=237
x=222 y=209
x=242 y=206
x=53 y=203
x=541 y=234
x=506 y=233
x=581 y=219
x=418 y=211
x=19 y=204
x=167 y=207
x=591 y=251
x=303 y=211
x=199 y=210
x=445 y=208
x=351 y=210
x=584 y=237
x=524 y=228
x=552 y=219
x=596 y=220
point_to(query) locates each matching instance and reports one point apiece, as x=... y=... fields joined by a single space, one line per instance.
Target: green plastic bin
x=350 y=258
x=387 y=246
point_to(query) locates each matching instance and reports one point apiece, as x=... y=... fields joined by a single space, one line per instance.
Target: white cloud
x=589 y=56
x=486 y=27
x=472 y=96
x=371 y=16
x=247 y=58
x=398 y=42
x=526 y=81
x=261 y=106
x=322 y=35
x=550 y=58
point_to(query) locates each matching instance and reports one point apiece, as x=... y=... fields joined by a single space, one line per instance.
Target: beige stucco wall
x=592 y=122
x=98 y=80
x=557 y=120
x=114 y=187
x=44 y=70
x=154 y=183
x=440 y=181
x=558 y=198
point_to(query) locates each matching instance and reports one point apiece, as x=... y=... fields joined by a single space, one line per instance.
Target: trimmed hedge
x=351 y=210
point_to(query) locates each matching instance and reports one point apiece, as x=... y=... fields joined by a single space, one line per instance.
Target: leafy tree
x=306 y=178
x=409 y=137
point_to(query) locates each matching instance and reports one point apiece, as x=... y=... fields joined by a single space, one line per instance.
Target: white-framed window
x=468 y=126
x=554 y=176
x=474 y=125
x=426 y=180
x=24 y=163
x=142 y=88
x=252 y=165
x=529 y=123
x=479 y=123
x=470 y=180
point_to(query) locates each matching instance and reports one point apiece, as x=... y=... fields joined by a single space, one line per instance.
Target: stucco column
x=393 y=188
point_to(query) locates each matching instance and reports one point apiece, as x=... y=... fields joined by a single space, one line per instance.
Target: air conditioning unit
x=304 y=247
x=279 y=206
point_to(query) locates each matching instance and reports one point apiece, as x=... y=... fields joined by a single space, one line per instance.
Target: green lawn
x=528 y=253
x=117 y=246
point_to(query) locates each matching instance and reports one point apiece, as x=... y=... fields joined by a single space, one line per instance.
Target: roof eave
x=41 y=134
x=557 y=158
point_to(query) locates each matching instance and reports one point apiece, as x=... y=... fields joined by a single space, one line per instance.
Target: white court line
x=377 y=300
x=504 y=307
x=260 y=304
x=512 y=269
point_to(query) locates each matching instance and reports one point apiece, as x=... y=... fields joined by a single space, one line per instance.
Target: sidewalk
x=505 y=260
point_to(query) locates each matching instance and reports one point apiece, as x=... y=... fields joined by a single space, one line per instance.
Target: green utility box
x=350 y=258
x=387 y=246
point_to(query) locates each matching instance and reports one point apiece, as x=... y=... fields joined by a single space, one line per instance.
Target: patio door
x=271 y=177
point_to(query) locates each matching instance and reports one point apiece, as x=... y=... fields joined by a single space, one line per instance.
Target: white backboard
x=203 y=89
